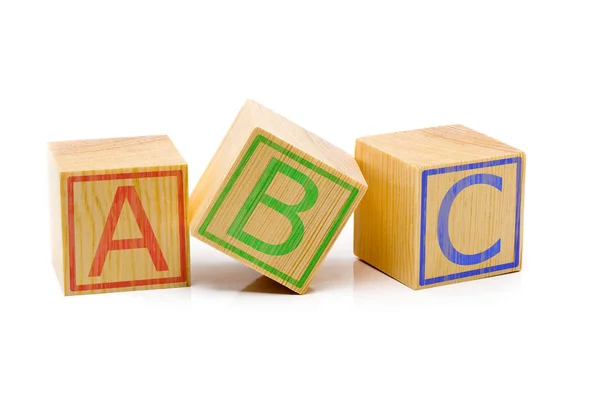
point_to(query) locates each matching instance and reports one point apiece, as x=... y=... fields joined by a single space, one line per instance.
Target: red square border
x=71 y=230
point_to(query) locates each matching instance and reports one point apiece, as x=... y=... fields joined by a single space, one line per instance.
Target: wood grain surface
x=118 y=214
x=248 y=203
x=400 y=224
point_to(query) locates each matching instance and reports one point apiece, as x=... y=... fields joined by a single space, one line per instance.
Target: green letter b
x=290 y=211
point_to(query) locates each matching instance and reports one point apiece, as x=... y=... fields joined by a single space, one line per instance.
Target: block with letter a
x=444 y=205
x=275 y=197
x=119 y=214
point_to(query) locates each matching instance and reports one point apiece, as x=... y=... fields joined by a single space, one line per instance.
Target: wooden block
x=275 y=197
x=118 y=214
x=444 y=205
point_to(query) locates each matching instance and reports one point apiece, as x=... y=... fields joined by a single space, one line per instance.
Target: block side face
x=220 y=166
x=452 y=144
x=126 y=229
x=307 y=142
x=385 y=222
x=57 y=208
x=279 y=211
x=114 y=153
x=471 y=220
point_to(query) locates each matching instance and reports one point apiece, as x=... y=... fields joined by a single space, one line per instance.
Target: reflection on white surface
x=366 y=277
x=223 y=283
x=265 y=285
x=375 y=291
x=220 y=273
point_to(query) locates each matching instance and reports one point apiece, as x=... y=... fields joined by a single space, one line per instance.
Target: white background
x=524 y=72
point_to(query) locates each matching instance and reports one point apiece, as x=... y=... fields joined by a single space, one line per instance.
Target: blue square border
x=444 y=170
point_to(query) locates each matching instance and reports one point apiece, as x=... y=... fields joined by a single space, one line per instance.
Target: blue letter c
x=443 y=235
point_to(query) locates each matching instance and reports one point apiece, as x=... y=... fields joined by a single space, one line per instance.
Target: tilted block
x=275 y=197
x=444 y=205
x=118 y=214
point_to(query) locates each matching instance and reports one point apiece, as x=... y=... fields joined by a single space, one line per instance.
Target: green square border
x=299 y=283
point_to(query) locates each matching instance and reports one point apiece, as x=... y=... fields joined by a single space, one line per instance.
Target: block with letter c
x=445 y=205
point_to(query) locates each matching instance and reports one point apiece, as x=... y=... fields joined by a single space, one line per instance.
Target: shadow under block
x=275 y=197
x=444 y=205
x=118 y=214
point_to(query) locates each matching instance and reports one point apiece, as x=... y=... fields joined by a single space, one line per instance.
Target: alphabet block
x=444 y=205
x=275 y=197
x=118 y=214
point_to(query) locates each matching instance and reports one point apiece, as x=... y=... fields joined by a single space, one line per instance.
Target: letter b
x=290 y=211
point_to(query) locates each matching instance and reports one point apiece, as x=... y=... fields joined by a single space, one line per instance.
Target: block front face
x=126 y=230
x=470 y=220
x=279 y=211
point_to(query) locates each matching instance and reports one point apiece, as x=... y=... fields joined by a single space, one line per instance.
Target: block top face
x=131 y=152
x=451 y=144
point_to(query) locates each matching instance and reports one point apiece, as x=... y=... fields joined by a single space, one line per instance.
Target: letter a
x=147 y=241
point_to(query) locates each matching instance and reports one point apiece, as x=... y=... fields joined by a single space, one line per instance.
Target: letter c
x=443 y=235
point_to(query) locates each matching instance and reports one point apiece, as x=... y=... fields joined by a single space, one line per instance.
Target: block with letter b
x=118 y=214
x=444 y=205
x=275 y=197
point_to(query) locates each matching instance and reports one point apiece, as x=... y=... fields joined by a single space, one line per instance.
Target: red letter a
x=147 y=241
